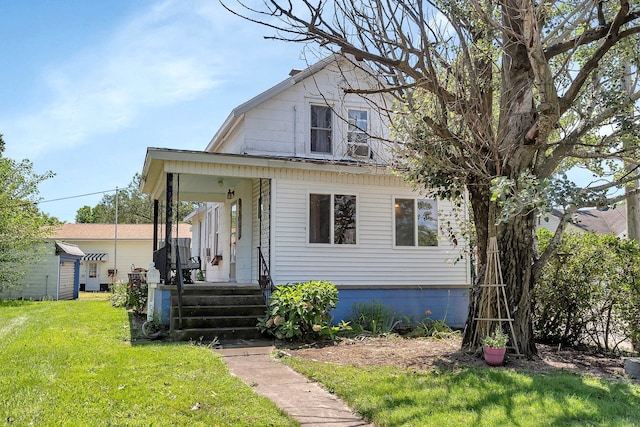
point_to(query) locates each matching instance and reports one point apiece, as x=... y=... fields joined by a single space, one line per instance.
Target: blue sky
x=87 y=86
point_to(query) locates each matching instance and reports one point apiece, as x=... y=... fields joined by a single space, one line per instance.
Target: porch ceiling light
x=230 y=194
x=220 y=183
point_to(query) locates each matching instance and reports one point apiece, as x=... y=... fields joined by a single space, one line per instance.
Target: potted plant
x=494 y=347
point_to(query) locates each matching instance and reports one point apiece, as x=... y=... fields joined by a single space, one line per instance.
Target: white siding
x=281 y=125
x=373 y=261
x=129 y=254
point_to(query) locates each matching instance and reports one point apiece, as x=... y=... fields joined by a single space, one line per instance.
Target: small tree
x=22 y=226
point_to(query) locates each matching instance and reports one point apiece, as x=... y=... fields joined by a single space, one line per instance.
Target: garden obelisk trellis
x=494 y=308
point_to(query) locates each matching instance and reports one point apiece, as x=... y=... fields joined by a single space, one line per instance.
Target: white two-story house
x=296 y=186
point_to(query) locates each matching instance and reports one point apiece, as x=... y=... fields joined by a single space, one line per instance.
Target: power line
x=83 y=195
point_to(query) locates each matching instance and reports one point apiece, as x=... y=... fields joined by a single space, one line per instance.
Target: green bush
x=590 y=292
x=301 y=312
x=130 y=295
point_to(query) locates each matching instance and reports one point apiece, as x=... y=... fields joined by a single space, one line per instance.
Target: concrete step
x=220 y=290
x=221 y=310
x=221 y=334
x=193 y=322
x=220 y=300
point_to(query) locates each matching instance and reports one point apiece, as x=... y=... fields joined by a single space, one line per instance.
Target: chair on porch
x=187 y=262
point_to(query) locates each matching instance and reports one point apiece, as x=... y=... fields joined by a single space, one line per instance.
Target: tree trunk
x=479 y=197
x=516 y=246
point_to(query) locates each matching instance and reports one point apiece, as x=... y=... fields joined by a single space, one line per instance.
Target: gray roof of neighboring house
x=609 y=221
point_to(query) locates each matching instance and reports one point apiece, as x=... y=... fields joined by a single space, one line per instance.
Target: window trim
x=332 y=195
x=416 y=245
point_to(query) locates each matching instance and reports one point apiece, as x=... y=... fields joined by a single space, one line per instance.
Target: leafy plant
x=590 y=293
x=301 y=312
x=374 y=317
x=428 y=327
x=130 y=295
x=497 y=339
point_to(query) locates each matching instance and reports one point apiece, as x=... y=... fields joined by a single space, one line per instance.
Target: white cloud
x=164 y=55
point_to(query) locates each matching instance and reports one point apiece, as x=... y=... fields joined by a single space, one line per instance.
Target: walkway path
x=299 y=397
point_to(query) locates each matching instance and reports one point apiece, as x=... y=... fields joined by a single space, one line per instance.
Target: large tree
x=23 y=227
x=133 y=207
x=493 y=98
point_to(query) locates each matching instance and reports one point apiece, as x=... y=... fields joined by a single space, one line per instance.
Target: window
x=93 y=269
x=416 y=221
x=332 y=218
x=357 y=127
x=321 y=129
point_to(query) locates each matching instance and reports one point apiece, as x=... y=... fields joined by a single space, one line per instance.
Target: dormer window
x=321 y=129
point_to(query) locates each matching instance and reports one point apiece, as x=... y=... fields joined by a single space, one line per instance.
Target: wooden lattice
x=494 y=308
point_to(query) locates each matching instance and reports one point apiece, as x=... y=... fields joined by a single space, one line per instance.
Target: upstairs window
x=416 y=222
x=357 y=134
x=321 y=129
x=332 y=219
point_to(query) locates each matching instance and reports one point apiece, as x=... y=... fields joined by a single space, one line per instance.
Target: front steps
x=220 y=312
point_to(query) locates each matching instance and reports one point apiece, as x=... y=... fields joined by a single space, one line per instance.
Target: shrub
x=590 y=292
x=130 y=295
x=301 y=312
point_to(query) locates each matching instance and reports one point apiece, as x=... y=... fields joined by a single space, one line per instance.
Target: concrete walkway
x=302 y=399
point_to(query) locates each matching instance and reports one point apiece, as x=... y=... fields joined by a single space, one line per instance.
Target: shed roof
x=107 y=231
x=69 y=249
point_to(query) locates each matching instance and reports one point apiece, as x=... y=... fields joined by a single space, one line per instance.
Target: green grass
x=71 y=363
x=476 y=396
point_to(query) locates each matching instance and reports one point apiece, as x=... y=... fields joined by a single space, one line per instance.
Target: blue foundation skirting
x=448 y=304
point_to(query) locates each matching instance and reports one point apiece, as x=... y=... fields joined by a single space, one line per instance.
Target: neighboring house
x=601 y=221
x=111 y=252
x=295 y=186
x=55 y=277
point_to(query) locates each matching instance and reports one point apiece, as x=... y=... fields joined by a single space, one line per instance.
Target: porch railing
x=264 y=277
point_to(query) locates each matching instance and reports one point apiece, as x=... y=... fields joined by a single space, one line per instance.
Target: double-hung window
x=358 y=125
x=321 y=129
x=357 y=134
x=332 y=219
x=416 y=222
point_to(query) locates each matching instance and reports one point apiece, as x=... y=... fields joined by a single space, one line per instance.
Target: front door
x=233 y=241
x=93 y=277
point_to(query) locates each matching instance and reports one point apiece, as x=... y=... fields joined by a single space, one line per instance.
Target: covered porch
x=230 y=222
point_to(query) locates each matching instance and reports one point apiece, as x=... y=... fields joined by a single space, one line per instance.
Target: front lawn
x=472 y=396
x=72 y=363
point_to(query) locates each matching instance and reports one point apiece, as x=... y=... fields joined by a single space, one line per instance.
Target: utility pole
x=115 y=242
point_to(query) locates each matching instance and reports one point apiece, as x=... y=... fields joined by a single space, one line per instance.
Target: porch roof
x=206 y=177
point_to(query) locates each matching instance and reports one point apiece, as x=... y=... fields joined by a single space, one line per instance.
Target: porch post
x=155 y=224
x=169 y=217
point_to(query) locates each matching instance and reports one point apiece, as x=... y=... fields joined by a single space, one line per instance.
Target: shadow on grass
x=491 y=396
